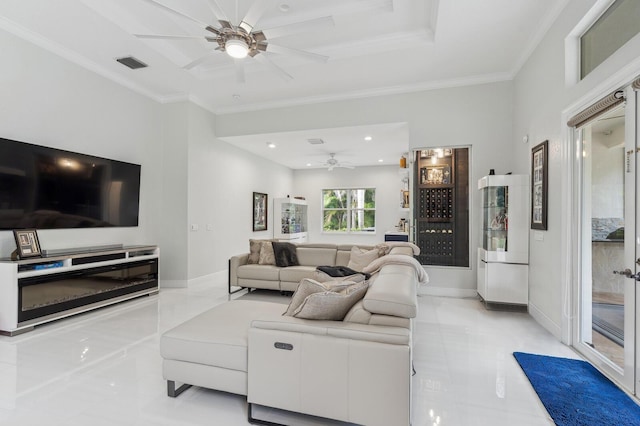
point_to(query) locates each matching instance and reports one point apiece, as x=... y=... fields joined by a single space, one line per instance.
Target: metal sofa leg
x=172 y=391
x=255 y=421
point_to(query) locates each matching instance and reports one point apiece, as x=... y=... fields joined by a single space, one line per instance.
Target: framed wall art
x=435 y=175
x=27 y=244
x=260 y=208
x=539 y=185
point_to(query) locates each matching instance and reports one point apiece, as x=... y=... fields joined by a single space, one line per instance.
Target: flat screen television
x=47 y=188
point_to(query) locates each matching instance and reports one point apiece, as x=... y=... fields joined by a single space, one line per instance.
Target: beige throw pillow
x=254 y=251
x=331 y=305
x=308 y=286
x=361 y=258
x=267 y=256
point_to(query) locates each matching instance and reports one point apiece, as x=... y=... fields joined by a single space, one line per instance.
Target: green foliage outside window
x=349 y=210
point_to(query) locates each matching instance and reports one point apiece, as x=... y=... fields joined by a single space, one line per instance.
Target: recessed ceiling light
x=380 y=160
x=367 y=138
x=271 y=145
x=308 y=164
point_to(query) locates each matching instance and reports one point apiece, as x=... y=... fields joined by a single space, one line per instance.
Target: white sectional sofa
x=271 y=277
x=357 y=369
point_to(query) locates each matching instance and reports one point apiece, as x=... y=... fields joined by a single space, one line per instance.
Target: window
x=619 y=24
x=349 y=210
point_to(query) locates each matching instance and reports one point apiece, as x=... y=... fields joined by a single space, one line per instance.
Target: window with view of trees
x=349 y=210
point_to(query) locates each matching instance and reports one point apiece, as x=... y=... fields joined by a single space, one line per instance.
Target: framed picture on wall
x=539 y=185
x=260 y=207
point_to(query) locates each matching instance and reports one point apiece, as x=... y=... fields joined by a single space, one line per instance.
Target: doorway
x=607 y=178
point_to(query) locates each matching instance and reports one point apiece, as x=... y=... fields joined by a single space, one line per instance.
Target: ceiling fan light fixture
x=236 y=48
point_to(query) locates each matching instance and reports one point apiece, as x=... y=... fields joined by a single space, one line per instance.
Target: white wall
x=385 y=179
x=222 y=179
x=188 y=176
x=540 y=97
x=479 y=116
x=49 y=101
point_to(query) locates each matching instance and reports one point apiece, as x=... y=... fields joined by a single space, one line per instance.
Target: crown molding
x=74 y=57
x=382 y=91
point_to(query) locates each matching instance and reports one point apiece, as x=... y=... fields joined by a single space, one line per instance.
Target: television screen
x=47 y=188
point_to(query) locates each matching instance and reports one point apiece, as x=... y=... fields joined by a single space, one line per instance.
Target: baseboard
x=448 y=292
x=173 y=283
x=215 y=277
x=545 y=321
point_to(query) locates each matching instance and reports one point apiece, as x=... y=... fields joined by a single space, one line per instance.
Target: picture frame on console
x=260 y=207
x=27 y=243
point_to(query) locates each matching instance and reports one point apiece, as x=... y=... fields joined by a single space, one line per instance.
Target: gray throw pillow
x=308 y=286
x=331 y=305
x=285 y=254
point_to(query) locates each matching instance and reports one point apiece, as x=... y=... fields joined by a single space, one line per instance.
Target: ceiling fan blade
x=274 y=48
x=196 y=62
x=168 y=37
x=299 y=27
x=239 y=65
x=262 y=58
x=255 y=12
x=177 y=12
x=217 y=11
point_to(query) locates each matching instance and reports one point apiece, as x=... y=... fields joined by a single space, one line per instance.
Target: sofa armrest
x=337 y=329
x=234 y=263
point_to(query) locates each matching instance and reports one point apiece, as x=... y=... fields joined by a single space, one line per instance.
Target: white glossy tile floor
x=104 y=368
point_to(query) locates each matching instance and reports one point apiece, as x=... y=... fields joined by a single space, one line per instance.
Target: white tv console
x=34 y=291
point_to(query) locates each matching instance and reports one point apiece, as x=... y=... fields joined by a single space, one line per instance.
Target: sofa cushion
x=322 y=276
x=393 y=292
x=267 y=256
x=316 y=256
x=308 y=287
x=259 y=272
x=333 y=304
x=361 y=258
x=217 y=337
x=295 y=274
x=285 y=254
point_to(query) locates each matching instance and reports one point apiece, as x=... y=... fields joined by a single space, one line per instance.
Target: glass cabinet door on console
x=503 y=254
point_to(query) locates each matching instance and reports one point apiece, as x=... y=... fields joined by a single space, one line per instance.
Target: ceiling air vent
x=131 y=62
x=315 y=141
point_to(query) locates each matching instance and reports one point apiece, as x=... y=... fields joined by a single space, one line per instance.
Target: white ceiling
x=374 y=47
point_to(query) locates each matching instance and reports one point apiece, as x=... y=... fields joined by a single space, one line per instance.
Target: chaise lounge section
x=356 y=369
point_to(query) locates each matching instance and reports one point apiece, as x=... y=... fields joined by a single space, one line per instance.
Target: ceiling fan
x=244 y=40
x=332 y=163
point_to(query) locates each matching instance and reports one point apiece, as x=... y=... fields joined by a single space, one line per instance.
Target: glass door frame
x=626 y=377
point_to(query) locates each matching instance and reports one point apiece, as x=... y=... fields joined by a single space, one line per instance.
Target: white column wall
x=540 y=97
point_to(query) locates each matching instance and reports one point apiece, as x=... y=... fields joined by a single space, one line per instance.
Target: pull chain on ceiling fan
x=242 y=40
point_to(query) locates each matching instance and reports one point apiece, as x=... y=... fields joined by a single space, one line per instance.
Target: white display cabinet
x=290 y=220
x=503 y=256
